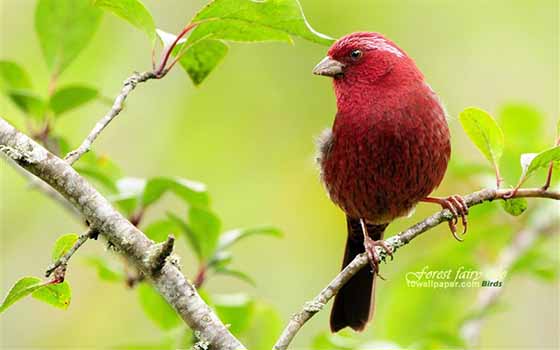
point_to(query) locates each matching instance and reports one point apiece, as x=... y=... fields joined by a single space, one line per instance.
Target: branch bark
x=397 y=241
x=128 y=86
x=130 y=241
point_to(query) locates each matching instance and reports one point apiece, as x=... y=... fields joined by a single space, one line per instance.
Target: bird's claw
x=458 y=208
x=373 y=256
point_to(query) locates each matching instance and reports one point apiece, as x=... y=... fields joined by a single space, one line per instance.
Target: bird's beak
x=329 y=67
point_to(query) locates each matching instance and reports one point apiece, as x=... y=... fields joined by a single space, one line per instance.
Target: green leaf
x=57 y=295
x=193 y=193
x=244 y=21
x=201 y=58
x=515 y=206
x=156 y=308
x=531 y=162
x=229 y=238
x=132 y=11
x=236 y=274
x=70 y=97
x=13 y=76
x=248 y=20
x=192 y=237
x=63 y=245
x=105 y=271
x=21 y=289
x=30 y=103
x=202 y=231
x=159 y=230
x=484 y=132
x=64 y=28
x=235 y=310
x=206 y=226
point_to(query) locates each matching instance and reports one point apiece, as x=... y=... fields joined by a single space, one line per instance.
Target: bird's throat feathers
x=377 y=87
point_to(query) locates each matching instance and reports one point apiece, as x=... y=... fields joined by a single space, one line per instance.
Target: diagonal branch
x=131 y=242
x=312 y=307
x=63 y=260
x=128 y=86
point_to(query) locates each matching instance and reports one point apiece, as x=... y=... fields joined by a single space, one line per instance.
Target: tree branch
x=128 y=86
x=130 y=241
x=63 y=260
x=312 y=307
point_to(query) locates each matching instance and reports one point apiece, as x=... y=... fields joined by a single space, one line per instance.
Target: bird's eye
x=356 y=54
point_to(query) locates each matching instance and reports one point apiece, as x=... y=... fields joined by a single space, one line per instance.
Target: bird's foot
x=373 y=256
x=458 y=207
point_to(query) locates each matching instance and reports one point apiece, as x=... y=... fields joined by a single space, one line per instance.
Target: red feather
x=389 y=145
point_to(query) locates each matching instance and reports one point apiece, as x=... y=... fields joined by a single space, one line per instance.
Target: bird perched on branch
x=388 y=150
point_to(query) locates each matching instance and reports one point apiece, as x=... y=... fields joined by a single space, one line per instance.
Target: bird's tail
x=354 y=304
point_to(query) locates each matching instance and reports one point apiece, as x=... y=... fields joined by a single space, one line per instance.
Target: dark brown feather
x=354 y=304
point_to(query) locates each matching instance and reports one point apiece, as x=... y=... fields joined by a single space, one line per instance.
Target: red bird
x=388 y=150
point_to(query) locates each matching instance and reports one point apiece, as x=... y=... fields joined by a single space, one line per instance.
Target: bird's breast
x=379 y=166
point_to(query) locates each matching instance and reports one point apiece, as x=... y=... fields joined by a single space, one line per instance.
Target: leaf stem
x=200 y=276
x=550 y=168
x=499 y=179
x=162 y=70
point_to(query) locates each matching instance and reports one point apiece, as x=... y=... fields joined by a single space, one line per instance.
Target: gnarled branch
x=130 y=241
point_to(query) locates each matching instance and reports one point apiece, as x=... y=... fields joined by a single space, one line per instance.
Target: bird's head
x=364 y=59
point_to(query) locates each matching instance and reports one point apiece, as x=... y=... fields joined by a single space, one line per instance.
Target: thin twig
x=487 y=297
x=128 y=86
x=63 y=260
x=312 y=307
x=117 y=107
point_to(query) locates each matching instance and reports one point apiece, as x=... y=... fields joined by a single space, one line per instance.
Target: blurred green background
x=247 y=132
